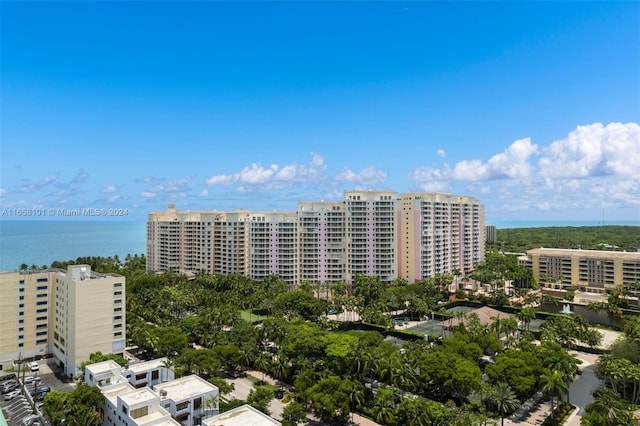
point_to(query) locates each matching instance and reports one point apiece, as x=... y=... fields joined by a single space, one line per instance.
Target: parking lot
x=19 y=409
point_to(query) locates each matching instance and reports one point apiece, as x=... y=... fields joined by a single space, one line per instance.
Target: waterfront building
x=373 y=233
x=67 y=314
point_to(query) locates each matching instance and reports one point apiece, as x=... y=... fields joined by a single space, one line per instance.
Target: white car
x=34 y=366
x=12 y=394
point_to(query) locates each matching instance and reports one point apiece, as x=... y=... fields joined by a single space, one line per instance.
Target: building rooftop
x=185 y=388
x=599 y=254
x=245 y=415
x=160 y=417
x=140 y=367
x=486 y=315
x=137 y=396
x=102 y=367
x=112 y=392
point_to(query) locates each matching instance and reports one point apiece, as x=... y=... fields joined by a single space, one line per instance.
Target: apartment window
x=118 y=334
x=21 y=305
x=155 y=374
x=117 y=293
x=42 y=302
x=41 y=333
x=21 y=337
x=41 y=318
x=42 y=280
x=197 y=403
x=182 y=406
x=41 y=287
x=21 y=345
x=124 y=409
x=21 y=289
x=20 y=329
x=42 y=295
x=21 y=281
x=117 y=301
x=21 y=298
x=21 y=321
x=41 y=341
x=21 y=313
x=116 y=285
x=41 y=310
x=39 y=326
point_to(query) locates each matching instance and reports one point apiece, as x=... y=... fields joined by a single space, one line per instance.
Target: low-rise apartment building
x=185 y=401
x=65 y=313
x=593 y=271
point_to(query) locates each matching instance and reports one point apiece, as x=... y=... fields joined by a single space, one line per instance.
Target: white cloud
x=273 y=175
x=369 y=176
x=148 y=194
x=594 y=150
x=109 y=189
x=204 y=193
x=3 y=191
x=48 y=180
x=595 y=166
x=114 y=198
x=441 y=153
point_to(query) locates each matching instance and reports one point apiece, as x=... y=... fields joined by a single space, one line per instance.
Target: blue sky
x=531 y=107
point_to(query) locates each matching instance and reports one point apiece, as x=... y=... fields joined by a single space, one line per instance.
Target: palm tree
x=505 y=399
x=607 y=410
x=356 y=396
x=526 y=315
x=85 y=418
x=383 y=406
x=567 y=364
x=554 y=385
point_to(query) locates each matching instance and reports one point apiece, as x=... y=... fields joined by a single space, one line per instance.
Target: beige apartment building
x=593 y=271
x=373 y=233
x=68 y=314
x=321 y=226
x=438 y=234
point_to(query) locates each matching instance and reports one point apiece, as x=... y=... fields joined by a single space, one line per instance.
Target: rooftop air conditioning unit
x=163 y=393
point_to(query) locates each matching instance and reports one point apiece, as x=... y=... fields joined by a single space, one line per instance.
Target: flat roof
x=244 y=415
x=599 y=254
x=147 y=365
x=185 y=388
x=154 y=418
x=104 y=366
x=138 y=395
x=112 y=392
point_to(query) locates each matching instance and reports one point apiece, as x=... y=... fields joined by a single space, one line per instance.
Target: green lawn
x=247 y=315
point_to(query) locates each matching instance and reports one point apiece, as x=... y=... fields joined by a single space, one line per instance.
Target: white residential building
x=244 y=415
x=189 y=399
x=185 y=401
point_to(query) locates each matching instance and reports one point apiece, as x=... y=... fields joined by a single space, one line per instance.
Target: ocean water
x=41 y=242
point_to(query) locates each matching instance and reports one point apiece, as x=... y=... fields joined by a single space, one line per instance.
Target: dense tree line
x=518 y=240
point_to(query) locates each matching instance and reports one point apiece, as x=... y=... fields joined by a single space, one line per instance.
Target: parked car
x=34 y=366
x=9 y=396
x=30 y=380
x=9 y=387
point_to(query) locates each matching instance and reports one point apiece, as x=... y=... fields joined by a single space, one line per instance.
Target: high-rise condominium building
x=438 y=234
x=373 y=233
x=68 y=314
